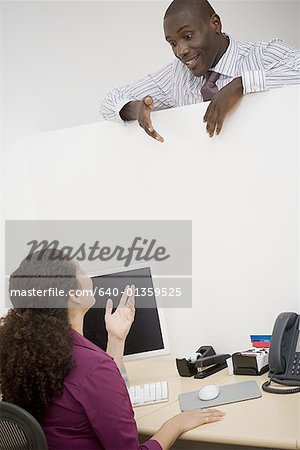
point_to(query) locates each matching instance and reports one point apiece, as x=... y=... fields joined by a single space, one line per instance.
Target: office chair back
x=19 y=430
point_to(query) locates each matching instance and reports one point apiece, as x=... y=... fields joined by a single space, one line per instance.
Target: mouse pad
x=229 y=393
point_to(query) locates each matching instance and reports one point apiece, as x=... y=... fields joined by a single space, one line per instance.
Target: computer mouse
x=209 y=392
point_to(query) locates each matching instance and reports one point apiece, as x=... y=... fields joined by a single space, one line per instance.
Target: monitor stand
x=125 y=375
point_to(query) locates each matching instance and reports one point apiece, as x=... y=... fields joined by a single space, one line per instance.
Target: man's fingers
x=155 y=135
x=210 y=119
x=206 y=113
x=148 y=127
x=148 y=101
x=219 y=125
x=214 y=121
x=214 y=125
x=211 y=126
x=214 y=118
x=146 y=124
x=145 y=119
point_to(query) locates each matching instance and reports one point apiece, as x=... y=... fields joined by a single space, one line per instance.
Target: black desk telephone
x=284 y=355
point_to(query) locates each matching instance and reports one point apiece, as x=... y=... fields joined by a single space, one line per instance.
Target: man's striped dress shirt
x=262 y=65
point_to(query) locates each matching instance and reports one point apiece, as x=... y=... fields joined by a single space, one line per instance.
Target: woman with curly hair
x=72 y=387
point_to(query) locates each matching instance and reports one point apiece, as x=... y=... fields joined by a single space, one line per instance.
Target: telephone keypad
x=295 y=369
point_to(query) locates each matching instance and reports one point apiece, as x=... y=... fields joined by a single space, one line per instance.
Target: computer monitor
x=147 y=336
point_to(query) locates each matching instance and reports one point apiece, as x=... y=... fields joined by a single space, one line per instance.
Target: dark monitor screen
x=147 y=336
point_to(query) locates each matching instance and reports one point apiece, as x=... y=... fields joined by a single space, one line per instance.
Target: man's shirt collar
x=226 y=65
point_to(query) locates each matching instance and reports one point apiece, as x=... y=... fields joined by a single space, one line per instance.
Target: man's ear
x=215 y=23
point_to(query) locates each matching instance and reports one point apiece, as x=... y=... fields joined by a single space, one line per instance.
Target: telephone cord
x=266 y=386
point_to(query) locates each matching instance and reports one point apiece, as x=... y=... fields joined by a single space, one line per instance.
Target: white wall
x=2 y=291
x=60 y=58
x=240 y=189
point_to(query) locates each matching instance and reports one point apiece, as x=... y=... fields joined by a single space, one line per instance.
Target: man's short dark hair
x=200 y=7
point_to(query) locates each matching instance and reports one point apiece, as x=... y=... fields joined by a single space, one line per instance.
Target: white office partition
x=241 y=190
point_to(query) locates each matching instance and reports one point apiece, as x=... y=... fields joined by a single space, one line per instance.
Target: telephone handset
x=284 y=355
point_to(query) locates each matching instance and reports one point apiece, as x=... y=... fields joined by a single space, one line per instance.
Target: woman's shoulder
x=86 y=350
x=86 y=356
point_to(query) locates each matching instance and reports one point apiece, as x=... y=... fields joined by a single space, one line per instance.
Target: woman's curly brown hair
x=35 y=336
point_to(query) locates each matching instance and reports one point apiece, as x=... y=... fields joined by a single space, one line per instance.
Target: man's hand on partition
x=141 y=111
x=223 y=102
x=144 y=120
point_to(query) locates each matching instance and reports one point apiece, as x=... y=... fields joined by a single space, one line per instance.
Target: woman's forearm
x=115 y=348
x=168 y=432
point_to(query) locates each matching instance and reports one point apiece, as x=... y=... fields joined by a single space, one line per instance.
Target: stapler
x=205 y=356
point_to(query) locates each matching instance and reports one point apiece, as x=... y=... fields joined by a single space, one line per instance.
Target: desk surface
x=270 y=421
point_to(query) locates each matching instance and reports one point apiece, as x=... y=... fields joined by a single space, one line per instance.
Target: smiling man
x=209 y=66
